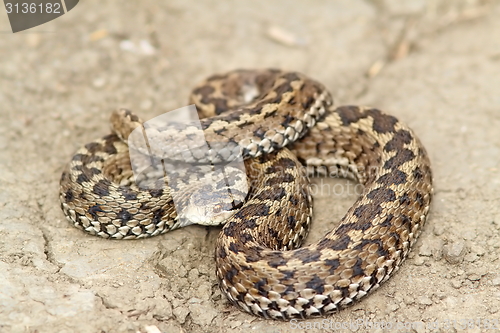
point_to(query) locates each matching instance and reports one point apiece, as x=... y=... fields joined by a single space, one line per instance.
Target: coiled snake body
x=259 y=266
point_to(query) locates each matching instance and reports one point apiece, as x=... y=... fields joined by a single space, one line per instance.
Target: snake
x=260 y=265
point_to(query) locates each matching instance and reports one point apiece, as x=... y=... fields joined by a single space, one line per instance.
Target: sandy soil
x=433 y=64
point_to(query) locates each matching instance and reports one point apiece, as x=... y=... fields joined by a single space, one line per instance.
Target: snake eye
x=217 y=208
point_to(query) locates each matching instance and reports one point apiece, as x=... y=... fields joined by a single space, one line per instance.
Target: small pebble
x=474 y=277
x=471 y=257
x=172 y=266
x=426 y=249
x=432 y=247
x=457 y=284
x=496 y=281
x=440 y=295
x=202 y=314
x=99 y=82
x=454 y=253
x=477 y=249
x=98 y=34
x=181 y=313
x=146 y=47
x=424 y=300
x=375 y=68
x=283 y=36
x=193 y=275
x=392 y=307
x=195 y=300
x=439 y=229
x=469 y=234
x=127 y=45
x=151 y=329
x=235 y=323
x=419 y=261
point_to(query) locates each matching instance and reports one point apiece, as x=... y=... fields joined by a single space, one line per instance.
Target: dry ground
x=434 y=64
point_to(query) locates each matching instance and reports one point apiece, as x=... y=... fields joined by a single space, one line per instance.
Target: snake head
x=213 y=212
x=223 y=192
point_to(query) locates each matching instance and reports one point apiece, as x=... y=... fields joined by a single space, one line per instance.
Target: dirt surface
x=433 y=64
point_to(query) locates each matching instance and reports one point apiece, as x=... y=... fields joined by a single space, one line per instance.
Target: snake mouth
x=213 y=213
